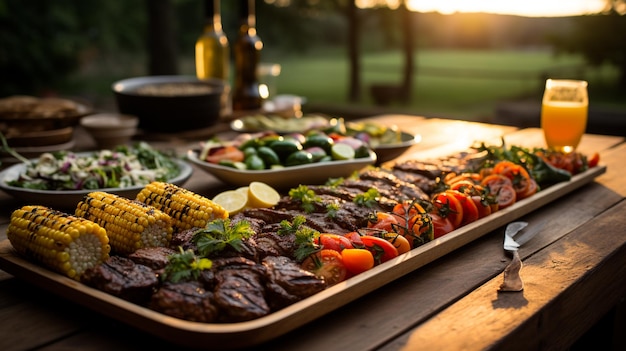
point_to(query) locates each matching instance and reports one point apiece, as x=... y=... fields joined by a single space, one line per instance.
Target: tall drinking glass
x=564 y=113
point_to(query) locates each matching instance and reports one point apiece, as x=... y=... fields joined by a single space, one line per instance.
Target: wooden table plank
x=559 y=275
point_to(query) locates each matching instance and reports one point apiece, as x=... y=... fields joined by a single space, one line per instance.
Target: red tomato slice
x=333 y=242
x=493 y=182
x=449 y=207
x=519 y=177
x=328 y=265
x=505 y=196
x=533 y=187
x=357 y=260
x=441 y=225
x=382 y=249
x=484 y=209
x=470 y=212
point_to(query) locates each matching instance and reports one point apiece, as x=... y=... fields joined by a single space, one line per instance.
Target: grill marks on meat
x=186 y=300
x=239 y=290
x=123 y=278
x=288 y=283
x=154 y=257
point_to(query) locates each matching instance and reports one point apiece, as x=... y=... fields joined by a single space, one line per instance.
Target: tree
x=600 y=38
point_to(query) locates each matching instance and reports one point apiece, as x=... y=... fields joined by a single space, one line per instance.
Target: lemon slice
x=243 y=190
x=342 y=152
x=232 y=201
x=261 y=195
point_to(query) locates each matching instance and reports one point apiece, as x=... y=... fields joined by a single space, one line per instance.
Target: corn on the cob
x=187 y=209
x=130 y=224
x=60 y=241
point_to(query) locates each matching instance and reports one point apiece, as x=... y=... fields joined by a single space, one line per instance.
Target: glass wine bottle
x=212 y=50
x=247 y=53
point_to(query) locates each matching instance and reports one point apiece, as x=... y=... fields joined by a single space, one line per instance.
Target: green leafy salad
x=121 y=167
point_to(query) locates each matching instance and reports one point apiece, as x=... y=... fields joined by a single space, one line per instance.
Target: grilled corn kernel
x=130 y=224
x=60 y=241
x=188 y=209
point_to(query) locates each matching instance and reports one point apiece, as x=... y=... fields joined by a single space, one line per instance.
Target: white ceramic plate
x=68 y=199
x=288 y=177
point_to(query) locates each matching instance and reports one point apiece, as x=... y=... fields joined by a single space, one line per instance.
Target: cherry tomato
x=355 y=238
x=470 y=212
x=407 y=209
x=441 y=225
x=448 y=206
x=419 y=230
x=357 y=260
x=400 y=242
x=386 y=221
x=229 y=152
x=382 y=249
x=333 y=242
x=328 y=265
x=593 y=160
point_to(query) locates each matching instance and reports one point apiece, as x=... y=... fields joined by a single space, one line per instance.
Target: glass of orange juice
x=564 y=113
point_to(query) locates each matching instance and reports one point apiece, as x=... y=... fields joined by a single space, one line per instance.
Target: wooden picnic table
x=574 y=273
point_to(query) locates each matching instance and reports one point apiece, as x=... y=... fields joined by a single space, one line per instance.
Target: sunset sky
x=534 y=8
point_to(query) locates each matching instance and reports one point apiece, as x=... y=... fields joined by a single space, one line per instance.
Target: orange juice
x=563 y=124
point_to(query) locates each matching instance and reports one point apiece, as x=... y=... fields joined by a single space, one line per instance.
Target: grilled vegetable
x=187 y=209
x=130 y=224
x=60 y=241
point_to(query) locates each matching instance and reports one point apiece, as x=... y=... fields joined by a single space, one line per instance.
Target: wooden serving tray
x=236 y=335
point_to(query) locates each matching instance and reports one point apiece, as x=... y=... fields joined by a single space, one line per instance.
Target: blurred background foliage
x=79 y=47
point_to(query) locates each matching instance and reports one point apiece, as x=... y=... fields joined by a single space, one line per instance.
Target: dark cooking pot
x=172 y=104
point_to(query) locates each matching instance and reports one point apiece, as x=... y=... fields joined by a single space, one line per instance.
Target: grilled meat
x=239 y=290
x=185 y=300
x=288 y=283
x=121 y=277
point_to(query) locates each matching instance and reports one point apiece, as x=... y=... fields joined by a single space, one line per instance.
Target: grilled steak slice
x=317 y=221
x=154 y=257
x=288 y=283
x=431 y=170
x=349 y=194
x=426 y=184
x=121 y=277
x=408 y=189
x=186 y=300
x=272 y=244
x=239 y=290
x=385 y=189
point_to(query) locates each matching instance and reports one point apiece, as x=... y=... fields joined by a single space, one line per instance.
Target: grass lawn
x=459 y=84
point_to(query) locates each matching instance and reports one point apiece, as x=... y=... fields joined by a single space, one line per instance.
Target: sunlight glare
x=530 y=8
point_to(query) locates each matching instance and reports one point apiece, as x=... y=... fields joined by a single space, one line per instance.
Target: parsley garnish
x=220 y=234
x=368 y=198
x=306 y=196
x=185 y=265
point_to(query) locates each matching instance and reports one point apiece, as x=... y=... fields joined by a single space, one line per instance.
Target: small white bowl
x=110 y=129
